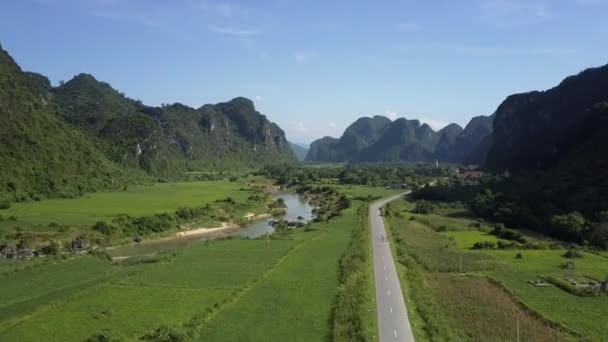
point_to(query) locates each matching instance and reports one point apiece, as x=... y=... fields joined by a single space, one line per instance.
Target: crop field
x=489 y=279
x=447 y=298
x=136 y=202
x=294 y=301
x=227 y=289
x=364 y=190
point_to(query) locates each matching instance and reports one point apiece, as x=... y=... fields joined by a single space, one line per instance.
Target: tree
x=424 y=207
x=571 y=225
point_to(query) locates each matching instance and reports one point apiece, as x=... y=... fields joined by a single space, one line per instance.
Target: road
x=393 y=321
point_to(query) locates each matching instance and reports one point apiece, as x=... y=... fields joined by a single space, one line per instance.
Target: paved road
x=393 y=322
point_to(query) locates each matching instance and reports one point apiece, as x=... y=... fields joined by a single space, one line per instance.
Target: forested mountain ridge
x=40 y=154
x=84 y=135
x=380 y=139
x=540 y=130
x=553 y=143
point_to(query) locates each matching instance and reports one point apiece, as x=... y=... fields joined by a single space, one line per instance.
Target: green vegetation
x=525 y=201
x=200 y=292
x=389 y=175
x=354 y=313
x=136 y=201
x=84 y=136
x=378 y=139
x=444 y=278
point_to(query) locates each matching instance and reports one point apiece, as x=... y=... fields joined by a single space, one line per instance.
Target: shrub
x=52 y=248
x=484 y=245
x=568 y=265
x=103 y=227
x=572 y=254
x=442 y=229
x=166 y=334
x=506 y=245
x=4 y=204
x=519 y=256
x=424 y=207
x=508 y=234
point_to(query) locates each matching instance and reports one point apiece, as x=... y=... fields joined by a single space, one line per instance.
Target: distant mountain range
x=375 y=139
x=299 y=149
x=84 y=136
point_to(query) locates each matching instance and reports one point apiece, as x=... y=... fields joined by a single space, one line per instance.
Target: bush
x=4 y=204
x=519 y=256
x=166 y=334
x=508 y=234
x=572 y=254
x=103 y=227
x=484 y=245
x=424 y=207
x=568 y=265
x=442 y=229
x=52 y=248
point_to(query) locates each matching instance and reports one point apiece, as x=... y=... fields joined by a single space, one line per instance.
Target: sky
x=314 y=66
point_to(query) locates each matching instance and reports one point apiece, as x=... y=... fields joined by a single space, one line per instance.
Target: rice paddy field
x=454 y=292
x=135 y=201
x=189 y=290
x=222 y=290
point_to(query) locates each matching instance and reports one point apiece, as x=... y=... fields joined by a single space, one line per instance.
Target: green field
x=136 y=202
x=431 y=265
x=229 y=289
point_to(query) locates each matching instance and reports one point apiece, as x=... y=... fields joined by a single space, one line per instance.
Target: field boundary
x=200 y=321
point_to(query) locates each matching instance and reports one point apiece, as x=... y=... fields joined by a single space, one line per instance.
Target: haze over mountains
x=84 y=136
x=378 y=139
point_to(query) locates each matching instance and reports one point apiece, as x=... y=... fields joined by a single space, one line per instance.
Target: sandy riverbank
x=206 y=231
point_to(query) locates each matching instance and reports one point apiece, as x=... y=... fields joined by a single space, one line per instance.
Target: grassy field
x=446 y=297
x=136 y=202
x=229 y=289
x=494 y=285
x=363 y=190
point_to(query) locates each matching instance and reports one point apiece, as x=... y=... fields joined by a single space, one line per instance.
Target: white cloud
x=302 y=57
x=391 y=114
x=232 y=31
x=259 y=98
x=302 y=131
x=300 y=127
x=436 y=124
x=407 y=27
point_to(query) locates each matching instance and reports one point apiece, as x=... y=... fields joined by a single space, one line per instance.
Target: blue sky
x=313 y=66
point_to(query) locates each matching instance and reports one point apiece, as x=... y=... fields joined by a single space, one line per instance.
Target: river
x=297 y=206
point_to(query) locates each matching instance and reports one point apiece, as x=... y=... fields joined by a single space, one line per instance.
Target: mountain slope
x=360 y=135
x=84 y=136
x=557 y=137
x=299 y=150
x=404 y=140
x=40 y=155
x=379 y=139
x=540 y=130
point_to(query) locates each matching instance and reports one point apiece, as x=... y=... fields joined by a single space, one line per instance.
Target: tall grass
x=351 y=321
